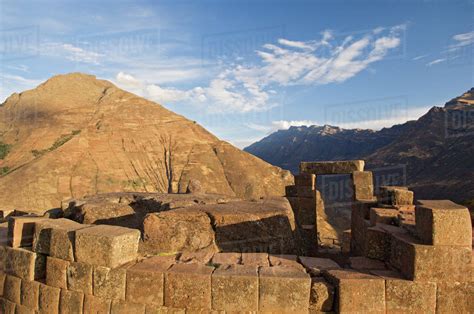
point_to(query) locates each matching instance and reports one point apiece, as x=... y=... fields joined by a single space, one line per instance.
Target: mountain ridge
x=428 y=147
x=75 y=135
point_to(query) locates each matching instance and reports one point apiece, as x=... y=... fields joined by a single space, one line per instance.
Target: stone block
x=455 y=297
x=357 y=292
x=346 y=241
x=417 y=261
x=316 y=265
x=7 y=306
x=43 y=228
x=285 y=260
x=444 y=224
x=153 y=309
x=96 y=305
x=305 y=179
x=56 y=272
x=321 y=296
x=63 y=242
x=12 y=289
x=180 y=230
x=147 y=275
x=235 y=288
x=363 y=185
x=71 y=302
x=290 y=191
x=305 y=192
x=21 y=309
x=48 y=301
x=226 y=258
x=110 y=282
x=377 y=244
x=3 y=257
x=406 y=296
x=395 y=195
x=30 y=294
x=202 y=256
x=79 y=277
x=25 y=264
x=2 y=282
x=188 y=286
x=255 y=259
x=21 y=230
x=361 y=263
x=305 y=213
x=383 y=215
x=332 y=167
x=108 y=246
x=122 y=307
x=283 y=289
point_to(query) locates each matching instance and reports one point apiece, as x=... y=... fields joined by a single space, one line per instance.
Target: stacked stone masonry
x=399 y=258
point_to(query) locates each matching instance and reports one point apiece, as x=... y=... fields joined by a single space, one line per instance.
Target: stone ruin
x=149 y=253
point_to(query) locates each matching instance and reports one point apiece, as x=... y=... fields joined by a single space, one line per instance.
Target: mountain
x=435 y=151
x=75 y=135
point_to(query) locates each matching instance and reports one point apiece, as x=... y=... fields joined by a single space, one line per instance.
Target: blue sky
x=243 y=69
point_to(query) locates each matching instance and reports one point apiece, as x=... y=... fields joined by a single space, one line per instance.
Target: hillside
x=75 y=135
x=436 y=150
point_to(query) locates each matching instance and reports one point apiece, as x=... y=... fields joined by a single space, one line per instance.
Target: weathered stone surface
x=441 y=223
x=377 y=244
x=363 y=185
x=109 y=282
x=147 y=275
x=306 y=179
x=395 y=195
x=79 y=277
x=359 y=224
x=290 y=191
x=363 y=263
x=357 y=292
x=346 y=241
x=56 y=272
x=235 y=288
x=432 y=263
x=177 y=231
x=202 y=256
x=383 y=215
x=266 y=225
x=285 y=260
x=305 y=191
x=30 y=294
x=21 y=230
x=12 y=289
x=7 y=306
x=283 y=289
x=322 y=296
x=316 y=265
x=25 y=264
x=226 y=258
x=455 y=297
x=71 y=302
x=153 y=309
x=21 y=309
x=123 y=307
x=63 y=242
x=96 y=305
x=255 y=259
x=188 y=286
x=42 y=236
x=2 y=282
x=332 y=167
x=48 y=301
x=108 y=246
x=406 y=296
x=194 y=187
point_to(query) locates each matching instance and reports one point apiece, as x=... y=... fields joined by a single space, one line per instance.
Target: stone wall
x=404 y=258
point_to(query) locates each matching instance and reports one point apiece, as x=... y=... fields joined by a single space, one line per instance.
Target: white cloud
x=436 y=61
x=246 y=88
x=15 y=83
x=419 y=57
x=462 y=40
x=70 y=52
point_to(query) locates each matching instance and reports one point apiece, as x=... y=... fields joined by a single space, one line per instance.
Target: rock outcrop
x=75 y=135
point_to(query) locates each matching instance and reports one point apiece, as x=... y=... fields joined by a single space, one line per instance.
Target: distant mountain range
x=435 y=153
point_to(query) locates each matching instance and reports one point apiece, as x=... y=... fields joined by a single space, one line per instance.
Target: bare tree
x=169 y=145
